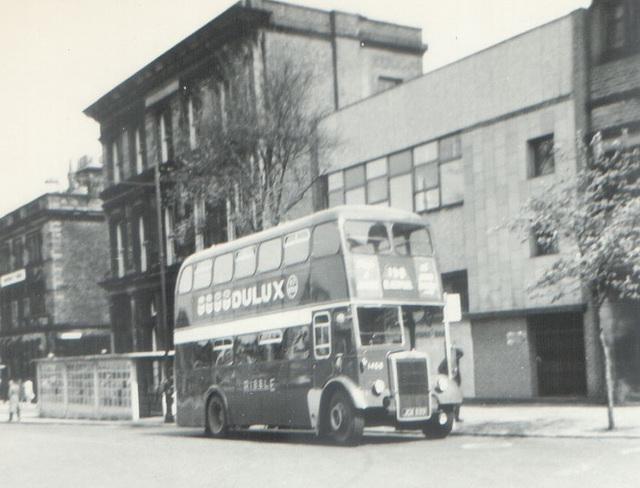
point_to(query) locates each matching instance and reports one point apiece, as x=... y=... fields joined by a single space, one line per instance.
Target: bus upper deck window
x=202 y=274
x=223 y=269
x=270 y=255
x=245 y=262
x=186 y=280
x=296 y=247
x=367 y=237
x=326 y=240
x=411 y=240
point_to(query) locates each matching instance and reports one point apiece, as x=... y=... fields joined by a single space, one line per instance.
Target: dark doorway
x=558 y=346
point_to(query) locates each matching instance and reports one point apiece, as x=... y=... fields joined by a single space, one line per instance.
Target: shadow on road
x=276 y=436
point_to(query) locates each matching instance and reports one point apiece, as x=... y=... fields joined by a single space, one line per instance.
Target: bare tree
x=257 y=135
x=596 y=213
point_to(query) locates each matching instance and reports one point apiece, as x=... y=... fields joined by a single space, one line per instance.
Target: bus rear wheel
x=216 y=423
x=345 y=423
x=439 y=426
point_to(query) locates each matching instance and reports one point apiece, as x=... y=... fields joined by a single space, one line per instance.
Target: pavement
x=498 y=420
x=548 y=420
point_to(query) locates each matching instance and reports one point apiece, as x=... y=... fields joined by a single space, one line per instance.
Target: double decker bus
x=312 y=325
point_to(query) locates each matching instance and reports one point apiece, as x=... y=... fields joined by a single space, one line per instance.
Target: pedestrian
x=14 y=400
x=29 y=394
x=456 y=355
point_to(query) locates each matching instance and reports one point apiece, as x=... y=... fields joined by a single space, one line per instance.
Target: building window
x=15 y=313
x=622 y=28
x=143 y=244
x=139 y=154
x=116 y=167
x=164 y=133
x=457 y=282
x=335 y=188
x=423 y=178
x=37 y=301
x=354 y=186
x=451 y=182
x=215 y=224
x=541 y=156
x=5 y=258
x=33 y=243
x=120 y=249
x=193 y=133
x=544 y=241
x=376 y=174
x=426 y=182
x=18 y=253
x=169 y=245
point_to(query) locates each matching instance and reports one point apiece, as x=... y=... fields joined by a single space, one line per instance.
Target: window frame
x=539 y=249
x=165 y=135
x=276 y=242
x=537 y=159
x=239 y=257
x=293 y=239
x=205 y=284
x=322 y=350
x=226 y=278
x=433 y=156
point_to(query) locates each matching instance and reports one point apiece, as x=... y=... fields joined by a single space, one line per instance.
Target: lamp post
x=167 y=385
x=168 y=381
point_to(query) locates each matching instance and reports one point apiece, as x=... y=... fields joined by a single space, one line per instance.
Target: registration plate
x=412 y=412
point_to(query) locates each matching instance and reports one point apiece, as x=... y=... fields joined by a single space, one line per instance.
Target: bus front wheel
x=439 y=426
x=216 y=423
x=345 y=423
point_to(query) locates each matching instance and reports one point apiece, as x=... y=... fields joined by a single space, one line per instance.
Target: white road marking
x=487 y=445
x=633 y=450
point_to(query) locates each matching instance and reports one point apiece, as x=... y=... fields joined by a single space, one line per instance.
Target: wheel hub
x=337 y=417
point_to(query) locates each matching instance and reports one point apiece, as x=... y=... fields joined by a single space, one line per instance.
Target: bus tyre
x=344 y=422
x=216 y=423
x=439 y=426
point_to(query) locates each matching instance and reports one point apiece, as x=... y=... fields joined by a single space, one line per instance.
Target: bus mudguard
x=316 y=396
x=447 y=391
x=216 y=390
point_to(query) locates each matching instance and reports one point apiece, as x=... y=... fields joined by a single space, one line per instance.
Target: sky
x=57 y=57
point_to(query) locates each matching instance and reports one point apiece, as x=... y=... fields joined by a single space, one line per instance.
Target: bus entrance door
x=322 y=367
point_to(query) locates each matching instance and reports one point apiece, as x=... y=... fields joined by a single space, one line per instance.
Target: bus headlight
x=378 y=387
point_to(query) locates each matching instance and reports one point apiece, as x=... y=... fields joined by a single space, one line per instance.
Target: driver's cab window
x=379 y=325
x=322 y=335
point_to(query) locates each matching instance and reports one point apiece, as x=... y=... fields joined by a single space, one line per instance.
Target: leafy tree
x=257 y=136
x=595 y=212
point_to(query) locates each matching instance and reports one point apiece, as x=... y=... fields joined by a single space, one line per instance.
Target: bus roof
x=354 y=212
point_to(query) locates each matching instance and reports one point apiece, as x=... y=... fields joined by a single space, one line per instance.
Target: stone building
x=150 y=120
x=52 y=255
x=465 y=145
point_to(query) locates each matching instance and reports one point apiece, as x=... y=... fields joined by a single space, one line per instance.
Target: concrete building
x=52 y=254
x=466 y=145
x=150 y=119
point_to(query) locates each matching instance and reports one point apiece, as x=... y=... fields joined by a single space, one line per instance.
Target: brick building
x=151 y=119
x=52 y=254
x=465 y=145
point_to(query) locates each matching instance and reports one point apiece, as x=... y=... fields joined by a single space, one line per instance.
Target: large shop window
x=425 y=177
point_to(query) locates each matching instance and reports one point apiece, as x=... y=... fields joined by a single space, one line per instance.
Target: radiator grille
x=412 y=376
x=412 y=393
